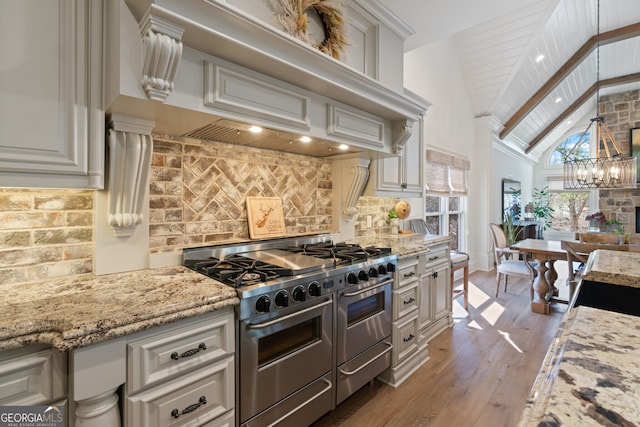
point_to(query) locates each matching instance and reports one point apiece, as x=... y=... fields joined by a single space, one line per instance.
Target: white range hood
x=195 y=66
x=209 y=69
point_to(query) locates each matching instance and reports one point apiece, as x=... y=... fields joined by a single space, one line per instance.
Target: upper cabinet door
x=51 y=117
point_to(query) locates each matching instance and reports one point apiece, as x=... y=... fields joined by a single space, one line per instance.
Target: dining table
x=545 y=253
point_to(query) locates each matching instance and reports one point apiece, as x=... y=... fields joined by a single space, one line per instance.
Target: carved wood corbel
x=355 y=176
x=402 y=130
x=130 y=149
x=162 y=42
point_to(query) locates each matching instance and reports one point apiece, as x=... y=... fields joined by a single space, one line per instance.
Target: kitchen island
x=84 y=310
x=590 y=374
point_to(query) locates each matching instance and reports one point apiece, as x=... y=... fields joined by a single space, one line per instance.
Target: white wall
x=434 y=73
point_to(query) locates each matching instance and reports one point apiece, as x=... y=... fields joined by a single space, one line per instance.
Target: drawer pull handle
x=434 y=258
x=409 y=338
x=413 y=273
x=188 y=353
x=176 y=412
x=409 y=301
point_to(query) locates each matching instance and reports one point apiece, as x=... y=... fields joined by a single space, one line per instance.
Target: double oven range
x=313 y=323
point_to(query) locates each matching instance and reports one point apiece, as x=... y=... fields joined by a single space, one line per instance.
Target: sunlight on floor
x=507 y=337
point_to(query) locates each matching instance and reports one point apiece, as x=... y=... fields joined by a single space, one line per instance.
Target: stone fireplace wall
x=198 y=191
x=622 y=112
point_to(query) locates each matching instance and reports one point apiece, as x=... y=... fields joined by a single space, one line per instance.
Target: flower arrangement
x=598 y=217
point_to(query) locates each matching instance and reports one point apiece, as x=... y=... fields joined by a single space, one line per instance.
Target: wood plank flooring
x=480 y=371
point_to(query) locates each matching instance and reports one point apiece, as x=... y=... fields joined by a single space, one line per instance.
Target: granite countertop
x=83 y=310
x=590 y=374
x=614 y=267
x=403 y=244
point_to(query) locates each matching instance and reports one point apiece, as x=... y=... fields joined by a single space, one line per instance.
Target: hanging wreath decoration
x=295 y=22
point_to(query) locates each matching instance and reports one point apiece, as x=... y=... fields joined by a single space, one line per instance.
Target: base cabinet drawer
x=405 y=300
x=196 y=399
x=405 y=337
x=177 y=349
x=32 y=377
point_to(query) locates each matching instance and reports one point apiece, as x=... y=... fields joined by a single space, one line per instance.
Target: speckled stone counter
x=613 y=267
x=403 y=244
x=83 y=310
x=591 y=374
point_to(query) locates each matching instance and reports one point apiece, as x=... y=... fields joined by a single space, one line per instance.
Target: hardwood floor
x=480 y=371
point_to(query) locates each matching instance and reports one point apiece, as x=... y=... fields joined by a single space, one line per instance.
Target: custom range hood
x=211 y=69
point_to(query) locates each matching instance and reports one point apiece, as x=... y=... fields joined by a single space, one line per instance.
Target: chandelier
x=614 y=170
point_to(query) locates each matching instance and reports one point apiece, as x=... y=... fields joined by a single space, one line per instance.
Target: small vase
x=395 y=222
x=595 y=225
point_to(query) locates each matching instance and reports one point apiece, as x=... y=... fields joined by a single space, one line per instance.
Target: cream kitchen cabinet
x=405 y=358
x=50 y=94
x=434 y=292
x=401 y=175
x=33 y=375
x=180 y=374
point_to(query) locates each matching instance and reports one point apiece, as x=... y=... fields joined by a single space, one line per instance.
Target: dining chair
x=459 y=260
x=577 y=256
x=601 y=238
x=508 y=262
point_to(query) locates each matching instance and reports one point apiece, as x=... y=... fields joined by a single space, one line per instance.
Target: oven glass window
x=279 y=344
x=361 y=309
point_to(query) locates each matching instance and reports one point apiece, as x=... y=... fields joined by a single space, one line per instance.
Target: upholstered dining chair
x=459 y=260
x=508 y=262
x=577 y=256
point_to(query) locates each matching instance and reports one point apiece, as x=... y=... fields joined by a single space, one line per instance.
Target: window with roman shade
x=446 y=174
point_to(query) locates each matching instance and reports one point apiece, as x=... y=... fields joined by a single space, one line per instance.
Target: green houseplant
x=542 y=210
x=510 y=230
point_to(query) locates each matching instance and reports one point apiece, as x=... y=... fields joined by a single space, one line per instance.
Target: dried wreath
x=294 y=21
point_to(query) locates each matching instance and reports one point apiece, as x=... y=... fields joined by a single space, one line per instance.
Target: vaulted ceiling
x=498 y=42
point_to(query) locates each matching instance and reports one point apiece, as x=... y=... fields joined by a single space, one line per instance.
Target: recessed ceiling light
x=558 y=99
x=255 y=129
x=305 y=139
x=539 y=58
x=569 y=122
x=343 y=146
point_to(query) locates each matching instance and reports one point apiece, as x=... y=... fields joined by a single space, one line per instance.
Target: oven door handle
x=288 y=316
x=315 y=396
x=353 y=294
x=348 y=373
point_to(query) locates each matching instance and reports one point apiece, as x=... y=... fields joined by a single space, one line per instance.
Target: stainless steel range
x=314 y=322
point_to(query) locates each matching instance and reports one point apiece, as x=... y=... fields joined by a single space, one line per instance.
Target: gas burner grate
x=341 y=253
x=238 y=271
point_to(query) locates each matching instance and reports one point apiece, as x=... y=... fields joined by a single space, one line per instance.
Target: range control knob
x=382 y=270
x=299 y=294
x=391 y=267
x=282 y=299
x=263 y=304
x=363 y=276
x=352 y=279
x=314 y=289
x=373 y=272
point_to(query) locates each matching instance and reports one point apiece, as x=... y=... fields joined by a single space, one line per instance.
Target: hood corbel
x=401 y=133
x=130 y=149
x=355 y=173
x=162 y=42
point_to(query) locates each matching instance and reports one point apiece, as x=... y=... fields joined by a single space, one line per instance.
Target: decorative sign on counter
x=265 y=216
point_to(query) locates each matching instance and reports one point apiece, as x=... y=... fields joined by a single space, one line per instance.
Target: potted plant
x=510 y=230
x=542 y=210
x=596 y=220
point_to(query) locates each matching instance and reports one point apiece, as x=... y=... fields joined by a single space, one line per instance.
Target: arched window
x=564 y=148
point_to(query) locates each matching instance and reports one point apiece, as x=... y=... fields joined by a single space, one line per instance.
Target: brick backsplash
x=198 y=191
x=378 y=208
x=45 y=234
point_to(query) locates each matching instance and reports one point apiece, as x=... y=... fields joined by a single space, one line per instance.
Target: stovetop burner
x=238 y=270
x=342 y=253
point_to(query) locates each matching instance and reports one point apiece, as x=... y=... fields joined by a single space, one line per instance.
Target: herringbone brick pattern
x=198 y=191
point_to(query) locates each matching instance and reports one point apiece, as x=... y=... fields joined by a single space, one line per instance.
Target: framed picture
x=634 y=137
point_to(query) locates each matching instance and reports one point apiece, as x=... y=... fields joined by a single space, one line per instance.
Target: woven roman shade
x=446 y=174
